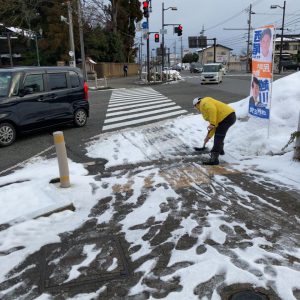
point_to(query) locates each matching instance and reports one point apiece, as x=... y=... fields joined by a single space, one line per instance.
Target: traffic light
x=156 y=38
x=146 y=9
x=179 y=30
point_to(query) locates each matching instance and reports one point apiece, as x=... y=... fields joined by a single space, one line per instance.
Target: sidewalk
x=158 y=224
x=117 y=82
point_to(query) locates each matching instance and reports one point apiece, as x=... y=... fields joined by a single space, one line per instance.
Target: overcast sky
x=215 y=15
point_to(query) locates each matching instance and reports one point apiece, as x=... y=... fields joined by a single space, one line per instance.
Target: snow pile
x=250 y=138
x=246 y=143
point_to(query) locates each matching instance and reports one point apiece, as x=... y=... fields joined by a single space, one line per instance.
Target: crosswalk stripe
x=139 y=121
x=120 y=96
x=137 y=99
x=152 y=112
x=123 y=112
x=136 y=90
x=149 y=102
x=137 y=106
x=124 y=104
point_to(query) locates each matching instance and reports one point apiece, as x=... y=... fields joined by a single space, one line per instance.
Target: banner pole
x=271 y=92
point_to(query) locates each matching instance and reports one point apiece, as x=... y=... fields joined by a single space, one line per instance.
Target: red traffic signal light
x=179 y=30
x=146 y=9
x=156 y=37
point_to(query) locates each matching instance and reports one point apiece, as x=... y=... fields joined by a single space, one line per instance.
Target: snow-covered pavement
x=156 y=223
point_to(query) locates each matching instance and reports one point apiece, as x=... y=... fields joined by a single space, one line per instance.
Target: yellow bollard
x=61 y=153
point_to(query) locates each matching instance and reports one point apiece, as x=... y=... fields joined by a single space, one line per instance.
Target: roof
x=217 y=45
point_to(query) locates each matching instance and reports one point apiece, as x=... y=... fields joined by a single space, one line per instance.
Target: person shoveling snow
x=220 y=117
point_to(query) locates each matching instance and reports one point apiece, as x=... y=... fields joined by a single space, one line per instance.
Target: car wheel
x=7 y=134
x=80 y=117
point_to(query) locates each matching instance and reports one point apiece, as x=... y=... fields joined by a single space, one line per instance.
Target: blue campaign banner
x=260 y=112
x=260 y=97
x=262 y=72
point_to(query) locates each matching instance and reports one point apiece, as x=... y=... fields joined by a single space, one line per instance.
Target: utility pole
x=181 y=50
x=37 y=50
x=215 y=45
x=248 y=42
x=81 y=40
x=163 y=38
x=297 y=143
x=148 y=52
x=71 y=36
x=281 y=40
x=9 y=49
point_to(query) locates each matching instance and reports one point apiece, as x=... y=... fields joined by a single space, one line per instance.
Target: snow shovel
x=201 y=149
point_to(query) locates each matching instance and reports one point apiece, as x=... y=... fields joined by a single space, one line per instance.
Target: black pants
x=221 y=131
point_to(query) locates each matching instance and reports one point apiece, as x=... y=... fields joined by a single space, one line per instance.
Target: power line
x=232 y=17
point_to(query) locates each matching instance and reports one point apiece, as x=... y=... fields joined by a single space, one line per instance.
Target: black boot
x=214 y=159
x=222 y=149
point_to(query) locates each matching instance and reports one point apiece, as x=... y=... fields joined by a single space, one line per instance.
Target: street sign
x=71 y=53
x=145 y=36
x=163 y=31
x=145 y=25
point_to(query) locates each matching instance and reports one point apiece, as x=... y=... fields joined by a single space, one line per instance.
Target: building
x=290 y=49
x=206 y=55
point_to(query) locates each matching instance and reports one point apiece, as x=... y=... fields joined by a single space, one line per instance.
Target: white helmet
x=196 y=100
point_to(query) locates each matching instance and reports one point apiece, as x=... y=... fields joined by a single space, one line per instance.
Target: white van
x=212 y=73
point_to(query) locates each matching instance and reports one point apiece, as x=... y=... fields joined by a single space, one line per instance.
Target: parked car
x=177 y=68
x=212 y=73
x=290 y=65
x=33 y=98
x=196 y=67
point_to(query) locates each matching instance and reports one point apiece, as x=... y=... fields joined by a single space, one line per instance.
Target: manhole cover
x=248 y=295
x=80 y=262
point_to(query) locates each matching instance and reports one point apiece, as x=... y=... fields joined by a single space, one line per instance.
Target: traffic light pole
x=163 y=39
x=148 y=54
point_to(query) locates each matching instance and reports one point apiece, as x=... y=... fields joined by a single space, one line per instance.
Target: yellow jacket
x=213 y=111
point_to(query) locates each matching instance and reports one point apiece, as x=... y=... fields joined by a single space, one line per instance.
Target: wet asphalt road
x=233 y=88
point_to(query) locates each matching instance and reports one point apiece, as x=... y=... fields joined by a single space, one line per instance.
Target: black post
x=281 y=41
x=163 y=39
x=148 y=53
x=248 y=42
x=215 y=44
x=9 y=48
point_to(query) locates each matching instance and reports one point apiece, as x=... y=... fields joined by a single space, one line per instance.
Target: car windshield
x=5 y=79
x=210 y=68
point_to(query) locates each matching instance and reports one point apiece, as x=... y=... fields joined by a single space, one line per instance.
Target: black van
x=33 y=98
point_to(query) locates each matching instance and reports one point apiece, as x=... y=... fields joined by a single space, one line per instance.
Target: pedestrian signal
x=146 y=9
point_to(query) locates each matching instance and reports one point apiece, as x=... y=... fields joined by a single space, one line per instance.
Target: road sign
x=145 y=36
x=145 y=25
x=163 y=31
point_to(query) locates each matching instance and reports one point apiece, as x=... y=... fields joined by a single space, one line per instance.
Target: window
x=293 y=47
x=209 y=54
x=5 y=79
x=223 y=52
x=74 y=79
x=15 y=85
x=35 y=82
x=57 y=81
